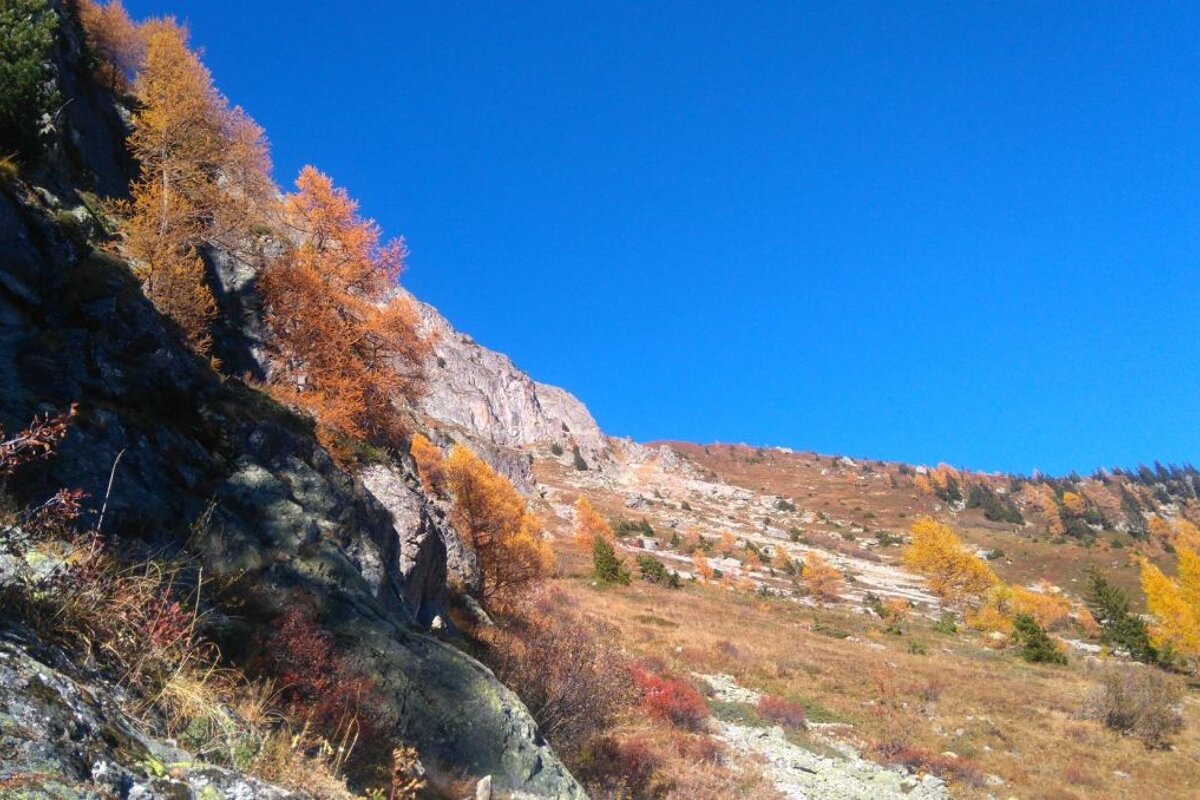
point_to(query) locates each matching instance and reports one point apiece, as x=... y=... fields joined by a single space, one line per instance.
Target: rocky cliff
x=482 y=393
x=288 y=526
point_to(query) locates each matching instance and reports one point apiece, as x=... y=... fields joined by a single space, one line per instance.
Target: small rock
x=483 y=789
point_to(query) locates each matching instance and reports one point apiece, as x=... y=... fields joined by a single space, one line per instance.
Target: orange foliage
x=589 y=526
x=115 y=40
x=727 y=545
x=822 y=579
x=701 y=566
x=348 y=348
x=1160 y=530
x=923 y=485
x=1073 y=503
x=1049 y=609
x=430 y=465
x=204 y=171
x=493 y=518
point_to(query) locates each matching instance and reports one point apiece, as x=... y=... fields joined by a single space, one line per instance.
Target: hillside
x=272 y=527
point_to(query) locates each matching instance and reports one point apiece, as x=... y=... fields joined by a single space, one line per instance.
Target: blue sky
x=962 y=232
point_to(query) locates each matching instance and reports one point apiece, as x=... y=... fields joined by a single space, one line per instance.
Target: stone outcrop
x=67 y=739
x=483 y=393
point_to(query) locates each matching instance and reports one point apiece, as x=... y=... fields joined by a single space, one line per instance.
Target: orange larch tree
x=589 y=526
x=204 y=175
x=114 y=39
x=347 y=345
x=431 y=468
x=821 y=578
x=493 y=518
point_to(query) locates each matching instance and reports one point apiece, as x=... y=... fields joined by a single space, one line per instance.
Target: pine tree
x=1036 y=646
x=1119 y=628
x=608 y=568
x=27 y=88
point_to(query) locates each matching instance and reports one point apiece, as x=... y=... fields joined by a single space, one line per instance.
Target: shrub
x=946 y=623
x=577 y=459
x=556 y=449
x=782 y=712
x=916 y=758
x=563 y=666
x=612 y=768
x=654 y=571
x=1138 y=702
x=671 y=699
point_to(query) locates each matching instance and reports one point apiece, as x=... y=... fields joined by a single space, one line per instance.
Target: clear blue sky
x=956 y=231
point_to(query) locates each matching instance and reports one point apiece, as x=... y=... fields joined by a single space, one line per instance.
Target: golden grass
x=1010 y=719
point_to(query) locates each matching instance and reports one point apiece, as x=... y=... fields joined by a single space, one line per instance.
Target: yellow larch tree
x=1187 y=535
x=497 y=525
x=1073 y=503
x=588 y=526
x=347 y=346
x=952 y=573
x=727 y=545
x=1175 y=604
x=702 y=568
x=822 y=579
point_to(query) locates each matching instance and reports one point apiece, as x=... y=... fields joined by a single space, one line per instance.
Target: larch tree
x=953 y=573
x=203 y=169
x=347 y=345
x=823 y=580
x=589 y=526
x=497 y=525
x=1175 y=605
x=703 y=570
x=115 y=40
x=431 y=467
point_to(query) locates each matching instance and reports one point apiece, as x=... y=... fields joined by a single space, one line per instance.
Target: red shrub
x=671 y=699
x=947 y=767
x=317 y=684
x=619 y=769
x=782 y=712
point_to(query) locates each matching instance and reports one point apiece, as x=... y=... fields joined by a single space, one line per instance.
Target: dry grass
x=1000 y=715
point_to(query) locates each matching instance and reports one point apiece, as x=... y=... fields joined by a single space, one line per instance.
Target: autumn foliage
x=670 y=699
x=114 y=39
x=347 y=346
x=430 y=467
x=203 y=170
x=498 y=527
x=1175 y=605
x=589 y=526
x=822 y=579
x=953 y=573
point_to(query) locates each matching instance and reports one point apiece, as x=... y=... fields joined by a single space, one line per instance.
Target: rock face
x=481 y=392
x=286 y=523
x=428 y=548
x=65 y=739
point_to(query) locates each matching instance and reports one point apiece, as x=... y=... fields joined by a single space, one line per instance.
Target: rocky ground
x=800 y=772
x=67 y=739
